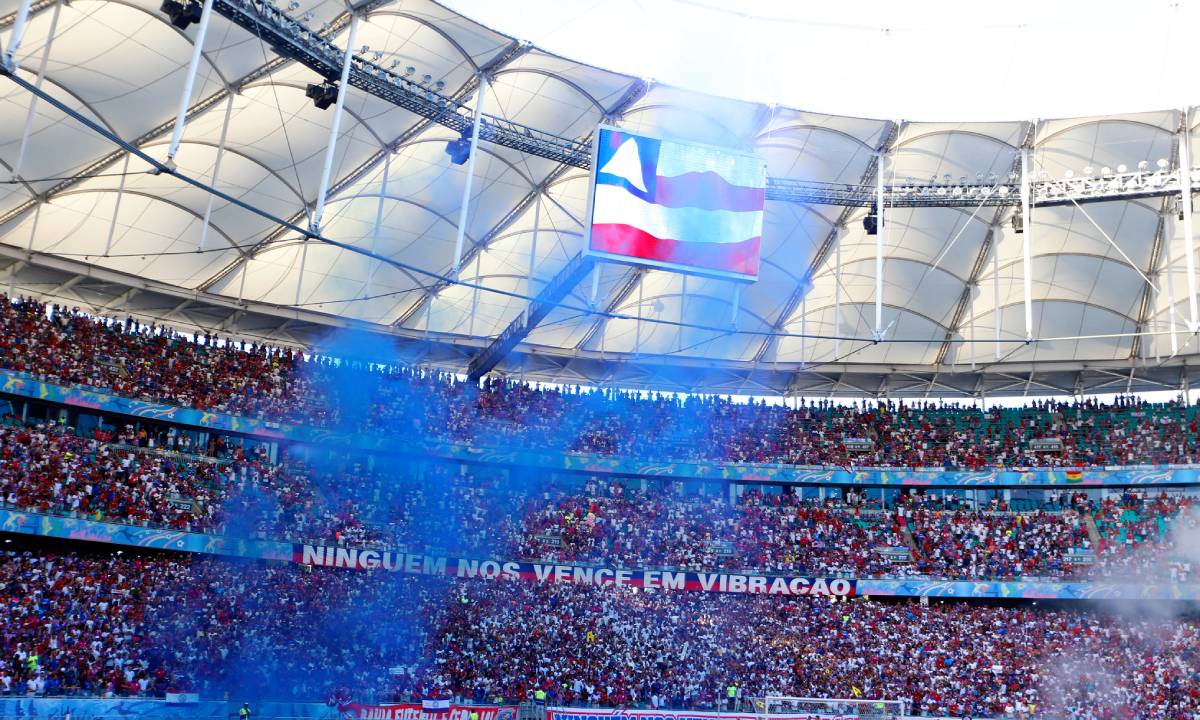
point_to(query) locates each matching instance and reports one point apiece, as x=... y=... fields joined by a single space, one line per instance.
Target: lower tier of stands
x=93 y=620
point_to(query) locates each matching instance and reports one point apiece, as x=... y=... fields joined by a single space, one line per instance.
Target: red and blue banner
x=680 y=206
x=430 y=710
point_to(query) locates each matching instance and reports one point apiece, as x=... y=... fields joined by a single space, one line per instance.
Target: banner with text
x=417 y=711
x=413 y=563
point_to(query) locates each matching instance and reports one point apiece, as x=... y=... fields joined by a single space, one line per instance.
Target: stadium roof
x=1106 y=276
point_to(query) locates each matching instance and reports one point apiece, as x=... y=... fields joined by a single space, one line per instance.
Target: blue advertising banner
x=69 y=528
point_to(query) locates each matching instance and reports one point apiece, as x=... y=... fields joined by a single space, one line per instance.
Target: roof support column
x=464 y=207
x=216 y=173
x=837 y=297
x=303 y=262
x=1026 y=207
x=737 y=301
x=637 y=334
x=334 y=127
x=387 y=169
x=996 y=314
x=12 y=276
x=879 y=237
x=112 y=226
x=9 y=61
x=537 y=227
x=804 y=331
x=1185 y=196
x=474 y=296
x=1170 y=271
x=682 y=315
x=33 y=98
x=189 y=82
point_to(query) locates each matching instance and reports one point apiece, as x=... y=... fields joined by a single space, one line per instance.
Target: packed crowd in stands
x=64 y=345
x=118 y=476
x=109 y=624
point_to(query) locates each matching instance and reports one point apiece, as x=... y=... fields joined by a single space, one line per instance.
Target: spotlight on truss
x=182 y=13
x=323 y=94
x=871 y=223
x=460 y=150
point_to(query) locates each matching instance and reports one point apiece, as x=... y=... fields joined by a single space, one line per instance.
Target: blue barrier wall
x=154 y=709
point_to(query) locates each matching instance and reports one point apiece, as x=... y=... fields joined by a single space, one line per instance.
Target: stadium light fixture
x=460 y=150
x=871 y=223
x=181 y=13
x=322 y=94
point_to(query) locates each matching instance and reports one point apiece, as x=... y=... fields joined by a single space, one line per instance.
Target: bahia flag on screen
x=689 y=207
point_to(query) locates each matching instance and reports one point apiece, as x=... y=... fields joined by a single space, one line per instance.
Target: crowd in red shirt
x=94 y=623
x=47 y=468
x=206 y=372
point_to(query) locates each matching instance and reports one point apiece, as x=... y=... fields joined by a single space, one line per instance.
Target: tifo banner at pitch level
x=561 y=713
x=679 y=205
x=415 y=711
x=359 y=559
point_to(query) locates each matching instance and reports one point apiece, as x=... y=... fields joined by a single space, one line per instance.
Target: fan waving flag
x=681 y=206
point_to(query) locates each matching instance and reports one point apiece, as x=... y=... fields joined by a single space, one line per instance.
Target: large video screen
x=677 y=205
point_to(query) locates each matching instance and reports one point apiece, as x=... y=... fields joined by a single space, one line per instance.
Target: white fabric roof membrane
x=1108 y=279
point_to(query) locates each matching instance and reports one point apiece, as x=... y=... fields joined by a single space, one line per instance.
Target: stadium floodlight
x=1069 y=174
x=460 y=150
x=871 y=223
x=408 y=71
x=182 y=13
x=1089 y=171
x=439 y=85
x=1143 y=165
x=1122 y=169
x=1162 y=163
x=323 y=94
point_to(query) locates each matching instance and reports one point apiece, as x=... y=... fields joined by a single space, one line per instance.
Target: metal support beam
x=618 y=297
x=33 y=98
x=335 y=126
x=830 y=242
x=465 y=206
x=1150 y=292
x=962 y=309
x=549 y=298
x=189 y=83
x=216 y=173
x=112 y=225
x=383 y=193
x=9 y=61
x=533 y=244
x=107 y=161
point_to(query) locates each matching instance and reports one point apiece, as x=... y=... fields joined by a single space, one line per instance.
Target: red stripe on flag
x=707 y=191
x=619 y=239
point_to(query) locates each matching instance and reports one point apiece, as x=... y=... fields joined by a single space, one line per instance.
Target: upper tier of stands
x=147 y=361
